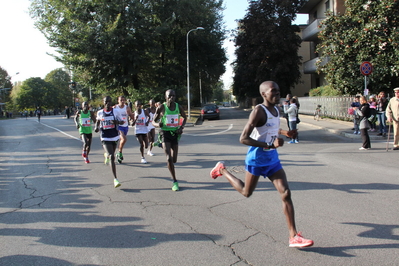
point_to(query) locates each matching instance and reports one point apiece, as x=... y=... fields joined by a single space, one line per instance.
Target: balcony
x=309 y=67
x=310 y=33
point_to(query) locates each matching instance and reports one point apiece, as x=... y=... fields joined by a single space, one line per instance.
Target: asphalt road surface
x=57 y=210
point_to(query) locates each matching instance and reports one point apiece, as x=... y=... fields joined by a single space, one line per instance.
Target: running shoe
x=143 y=161
x=215 y=172
x=175 y=186
x=118 y=158
x=299 y=242
x=84 y=154
x=296 y=141
x=363 y=149
x=116 y=183
x=87 y=160
x=291 y=142
x=120 y=155
x=106 y=161
x=150 y=153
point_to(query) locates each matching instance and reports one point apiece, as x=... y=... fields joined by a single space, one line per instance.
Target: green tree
x=131 y=45
x=35 y=92
x=267 y=47
x=60 y=79
x=368 y=31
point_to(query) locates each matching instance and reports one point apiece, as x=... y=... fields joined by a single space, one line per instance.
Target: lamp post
x=188 y=71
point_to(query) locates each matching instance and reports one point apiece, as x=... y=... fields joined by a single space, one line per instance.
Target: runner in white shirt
x=124 y=110
x=151 y=129
x=141 y=119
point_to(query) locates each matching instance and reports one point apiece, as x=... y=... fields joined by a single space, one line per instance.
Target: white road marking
x=213 y=133
x=66 y=134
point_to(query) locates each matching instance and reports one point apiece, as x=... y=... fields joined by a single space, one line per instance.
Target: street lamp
x=188 y=71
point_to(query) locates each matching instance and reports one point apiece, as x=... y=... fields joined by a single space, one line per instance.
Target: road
x=56 y=210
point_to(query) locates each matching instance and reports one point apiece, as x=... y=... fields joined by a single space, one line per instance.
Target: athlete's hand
x=160 y=124
x=77 y=126
x=278 y=142
x=292 y=134
x=180 y=130
x=96 y=130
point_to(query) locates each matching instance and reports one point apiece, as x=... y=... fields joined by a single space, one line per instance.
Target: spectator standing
x=355 y=105
x=392 y=113
x=382 y=103
x=373 y=112
x=292 y=112
x=364 y=113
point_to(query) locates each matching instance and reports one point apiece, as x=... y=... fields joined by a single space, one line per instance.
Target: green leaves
x=128 y=45
x=368 y=31
x=267 y=47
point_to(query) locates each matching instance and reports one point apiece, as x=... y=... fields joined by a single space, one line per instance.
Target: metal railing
x=333 y=107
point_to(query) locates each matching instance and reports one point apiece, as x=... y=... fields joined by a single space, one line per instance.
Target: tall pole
x=200 y=87
x=188 y=71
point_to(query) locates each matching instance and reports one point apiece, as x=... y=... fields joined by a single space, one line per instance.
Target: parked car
x=226 y=104
x=210 y=111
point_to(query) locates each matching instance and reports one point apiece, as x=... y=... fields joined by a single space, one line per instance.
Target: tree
x=35 y=92
x=129 y=45
x=267 y=47
x=368 y=31
x=60 y=79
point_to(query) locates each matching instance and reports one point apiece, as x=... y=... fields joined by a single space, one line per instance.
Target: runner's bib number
x=86 y=122
x=172 y=120
x=107 y=122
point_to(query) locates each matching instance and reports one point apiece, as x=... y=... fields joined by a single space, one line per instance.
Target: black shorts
x=169 y=136
x=88 y=136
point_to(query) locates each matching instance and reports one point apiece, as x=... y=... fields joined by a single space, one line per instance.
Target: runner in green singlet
x=167 y=117
x=84 y=119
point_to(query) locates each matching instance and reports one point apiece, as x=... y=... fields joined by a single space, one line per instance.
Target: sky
x=24 y=49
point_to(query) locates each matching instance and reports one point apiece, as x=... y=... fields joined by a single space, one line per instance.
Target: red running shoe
x=87 y=160
x=299 y=242
x=215 y=172
x=84 y=154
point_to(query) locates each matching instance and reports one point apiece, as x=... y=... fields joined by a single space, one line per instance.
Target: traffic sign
x=366 y=68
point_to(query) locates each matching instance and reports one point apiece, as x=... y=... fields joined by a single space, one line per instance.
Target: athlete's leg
x=280 y=182
x=167 y=146
x=122 y=141
x=110 y=147
x=247 y=188
x=141 y=142
x=151 y=137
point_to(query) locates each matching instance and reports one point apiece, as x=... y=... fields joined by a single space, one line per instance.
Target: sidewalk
x=339 y=127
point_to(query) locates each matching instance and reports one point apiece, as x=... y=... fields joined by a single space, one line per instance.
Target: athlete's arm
x=129 y=112
x=77 y=119
x=157 y=117
x=182 y=114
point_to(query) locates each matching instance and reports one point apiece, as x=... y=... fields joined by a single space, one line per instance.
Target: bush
x=326 y=90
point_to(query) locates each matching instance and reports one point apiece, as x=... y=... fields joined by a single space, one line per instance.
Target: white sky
x=24 y=49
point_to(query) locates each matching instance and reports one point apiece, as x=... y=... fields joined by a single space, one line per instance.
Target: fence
x=333 y=107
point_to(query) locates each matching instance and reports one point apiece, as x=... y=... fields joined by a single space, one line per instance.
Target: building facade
x=316 y=10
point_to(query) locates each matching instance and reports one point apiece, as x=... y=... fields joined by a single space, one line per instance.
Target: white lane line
x=66 y=134
x=214 y=133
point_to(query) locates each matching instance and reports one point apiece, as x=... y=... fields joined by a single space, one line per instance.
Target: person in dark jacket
x=364 y=113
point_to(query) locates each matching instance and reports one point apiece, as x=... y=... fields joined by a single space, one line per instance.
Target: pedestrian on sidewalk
x=364 y=113
x=373 y=113
x=392 y=113
x=292 y=112
x=261 y=134
x=355 y=104
x=382 y=103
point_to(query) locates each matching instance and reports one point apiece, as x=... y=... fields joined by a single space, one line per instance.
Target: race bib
x=172 y=120
x=86 y=122
x=107 y=122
